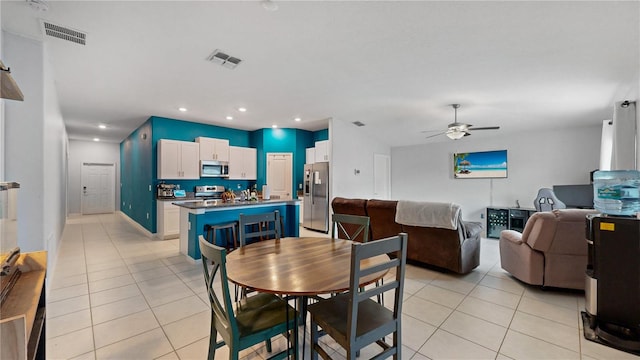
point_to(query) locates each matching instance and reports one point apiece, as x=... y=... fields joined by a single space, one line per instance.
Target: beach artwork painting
x=484 y=164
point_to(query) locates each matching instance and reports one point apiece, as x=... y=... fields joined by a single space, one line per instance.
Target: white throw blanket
x=432 y=214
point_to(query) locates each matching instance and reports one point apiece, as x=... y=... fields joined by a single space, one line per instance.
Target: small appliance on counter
x=165 y=191
x=206 y=192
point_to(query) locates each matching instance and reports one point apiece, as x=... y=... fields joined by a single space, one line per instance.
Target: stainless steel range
x=209 y=192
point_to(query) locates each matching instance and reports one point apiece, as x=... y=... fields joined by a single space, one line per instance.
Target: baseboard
x=138 y=227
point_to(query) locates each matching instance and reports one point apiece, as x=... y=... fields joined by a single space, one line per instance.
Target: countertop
x=208 y=204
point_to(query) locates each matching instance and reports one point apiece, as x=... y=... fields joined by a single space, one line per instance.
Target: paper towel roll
x=266 y=192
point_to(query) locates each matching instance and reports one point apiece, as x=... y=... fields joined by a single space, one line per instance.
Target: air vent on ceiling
x=220 y=58
x=357 y=123
x=64 y=33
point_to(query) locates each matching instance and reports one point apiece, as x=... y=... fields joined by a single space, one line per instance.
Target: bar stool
x=212 y=229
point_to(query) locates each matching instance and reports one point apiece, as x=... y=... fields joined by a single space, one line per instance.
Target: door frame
x=113 y=187
x=266 y=178
x=387 y=159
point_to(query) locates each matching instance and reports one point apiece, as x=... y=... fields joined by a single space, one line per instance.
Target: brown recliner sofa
x=456 y=250
x=551 y=250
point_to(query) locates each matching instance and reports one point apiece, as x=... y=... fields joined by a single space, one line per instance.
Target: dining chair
x=355 y=228
x=350 y=227
x=255 y=319
x=353 y=319
x=268 y=224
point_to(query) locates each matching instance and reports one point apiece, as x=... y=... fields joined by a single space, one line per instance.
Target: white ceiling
x=395 y=66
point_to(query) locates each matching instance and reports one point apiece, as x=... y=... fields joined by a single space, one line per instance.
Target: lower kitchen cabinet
x=168 y=220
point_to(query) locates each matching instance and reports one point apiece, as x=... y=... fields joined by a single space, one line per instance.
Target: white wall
x=535 y=160
x=351 y=149
x=90 y=151
x=35 y=147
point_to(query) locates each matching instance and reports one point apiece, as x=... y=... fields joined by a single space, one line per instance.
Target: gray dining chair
x=350 y=227
x=255 y=319
x=268 y=226
x=353 y=319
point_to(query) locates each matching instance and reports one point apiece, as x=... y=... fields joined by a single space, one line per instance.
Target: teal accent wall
x=138 y=164
x=284 y=141
x=139 y=160
x=320 y=135
x=164 y=128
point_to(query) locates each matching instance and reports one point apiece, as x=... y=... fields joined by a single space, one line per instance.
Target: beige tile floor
x=117 y=294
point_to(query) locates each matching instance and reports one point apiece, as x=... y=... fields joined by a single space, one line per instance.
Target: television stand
x=506 y=218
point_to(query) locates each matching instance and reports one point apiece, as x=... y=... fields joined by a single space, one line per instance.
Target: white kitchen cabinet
x=178 y=160
x=323 y=153
x=213 y=149
x=168 y=226
x=243 y=163
x=310 y=155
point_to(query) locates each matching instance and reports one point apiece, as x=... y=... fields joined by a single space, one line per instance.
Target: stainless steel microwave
x=213 y=168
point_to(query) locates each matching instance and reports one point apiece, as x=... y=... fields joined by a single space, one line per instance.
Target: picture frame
x=480 y=165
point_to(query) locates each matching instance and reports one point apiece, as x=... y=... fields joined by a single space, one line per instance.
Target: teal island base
x=195 y=215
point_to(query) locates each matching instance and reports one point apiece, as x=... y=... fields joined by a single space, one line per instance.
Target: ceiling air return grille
x=220 y=58
x=64 y=33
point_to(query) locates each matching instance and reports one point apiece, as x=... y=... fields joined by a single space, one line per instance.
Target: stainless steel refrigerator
x=316 y=197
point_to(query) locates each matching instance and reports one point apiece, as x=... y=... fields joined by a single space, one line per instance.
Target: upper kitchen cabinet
x=213 y=149
x=310 y=155
x=178 y=160
x=323 y=153
x=243 y=163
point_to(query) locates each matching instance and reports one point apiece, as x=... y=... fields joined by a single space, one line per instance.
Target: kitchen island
x=194 y=215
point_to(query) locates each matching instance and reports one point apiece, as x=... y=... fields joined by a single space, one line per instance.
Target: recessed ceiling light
x=96 y=139
x=229 y=117
x=241 y=109
x=297 y=119
x=274 y=126
x=102 y=126
x=183 y=109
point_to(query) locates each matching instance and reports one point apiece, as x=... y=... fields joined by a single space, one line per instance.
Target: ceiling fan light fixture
x=455 y=134
x=269 y=5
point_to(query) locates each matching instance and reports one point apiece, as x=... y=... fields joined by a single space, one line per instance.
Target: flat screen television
x=575 y=196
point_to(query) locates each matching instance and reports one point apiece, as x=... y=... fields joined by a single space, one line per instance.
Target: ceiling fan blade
x=429 y=131
x=430 y=136
x=485 y=128
x=467 y=133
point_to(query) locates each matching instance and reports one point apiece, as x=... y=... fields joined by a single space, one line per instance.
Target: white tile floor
x=116 y=294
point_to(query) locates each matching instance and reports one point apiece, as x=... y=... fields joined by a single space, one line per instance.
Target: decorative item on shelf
x=10 y=89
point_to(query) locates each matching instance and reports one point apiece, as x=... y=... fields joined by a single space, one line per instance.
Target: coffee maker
x=165 y=191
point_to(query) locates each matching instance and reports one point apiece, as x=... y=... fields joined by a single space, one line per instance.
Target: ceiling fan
x=456 y=130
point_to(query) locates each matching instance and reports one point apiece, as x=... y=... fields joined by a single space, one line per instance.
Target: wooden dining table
x=303 y=266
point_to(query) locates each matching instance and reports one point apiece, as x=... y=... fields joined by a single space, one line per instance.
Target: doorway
x=280 y=175
x=98 y=193
x=382 y=176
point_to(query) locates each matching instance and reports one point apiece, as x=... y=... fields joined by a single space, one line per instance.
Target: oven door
x=214 y=169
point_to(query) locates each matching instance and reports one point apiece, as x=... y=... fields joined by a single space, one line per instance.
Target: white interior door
x=280 y=175
x=98 y=193
x=382 y=176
